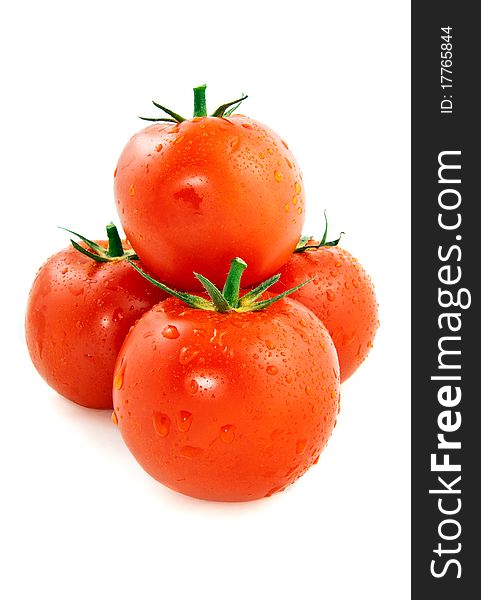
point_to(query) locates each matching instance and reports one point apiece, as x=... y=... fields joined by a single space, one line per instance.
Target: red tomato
x=192 y=195
x=226 y=406
x=78 y=314
x=341 y=295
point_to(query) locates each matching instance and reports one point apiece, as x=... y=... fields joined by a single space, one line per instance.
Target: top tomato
x=193 y=194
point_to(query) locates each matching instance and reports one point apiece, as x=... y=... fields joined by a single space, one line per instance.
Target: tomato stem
x=114 y=251
x=307 y=242
x=225 y=110
x=228 y=300
x=189 y=299
x=200 y=105
x=115 y=243
x=173 y=114
x=200 y=108
x=232 y=283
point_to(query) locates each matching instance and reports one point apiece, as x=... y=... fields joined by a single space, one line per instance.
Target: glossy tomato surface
x=78 y=314
x=227 y=407
x=191 y=196
x=342 y=295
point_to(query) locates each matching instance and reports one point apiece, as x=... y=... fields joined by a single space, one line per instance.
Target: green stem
x=173 y=114
x=228 y=300
x=232 y=283
x=225 y=110
x=115 y=243
x=189 y=299
x=114 y=251
x=200 y=106
x=220 y=303
x=306 y=243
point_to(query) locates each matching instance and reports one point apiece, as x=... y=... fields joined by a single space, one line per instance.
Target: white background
x=79 y=518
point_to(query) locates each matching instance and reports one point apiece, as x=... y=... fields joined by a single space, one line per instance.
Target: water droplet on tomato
x=272 y=370
x=286 y=207
x=184 y=420
x=308 y=390
x=285 y=144
x=304 y=335
x=288 y=378
x=227 y=434
x=76 y=289
x=299 y=210
x=301 y=446
x=228 y=352
x=289 y=164
x=159 y=147
x=297 y=187
x=187 y=354
x=218 y=337
x=355 y=283
x=295 y=200
x=247 y=125
x=270 y=151
x=270 y=344
x=115 y=172
x=190 y=451
x=119 y=376
x=193 y=386
x=132 y=190
x=278 y=176
x=234 y=144
x=170 y=332
x=330 y=295
x=161 y=423
x=118 y=315
x=115 y=421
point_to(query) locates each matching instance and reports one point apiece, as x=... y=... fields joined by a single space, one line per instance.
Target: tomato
x=227 y=406
x=341 y=294
x=191 y=195
x=79 y=312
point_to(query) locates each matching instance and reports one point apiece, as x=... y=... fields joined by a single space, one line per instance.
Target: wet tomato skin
x=227 y=407
x=342 y=295
x=78 y=314
x=192 y=196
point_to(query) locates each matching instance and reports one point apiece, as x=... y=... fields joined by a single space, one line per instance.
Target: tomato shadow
x=182 y=503
x=96 y=425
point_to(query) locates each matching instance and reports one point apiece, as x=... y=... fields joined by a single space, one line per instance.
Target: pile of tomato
x=217 y=333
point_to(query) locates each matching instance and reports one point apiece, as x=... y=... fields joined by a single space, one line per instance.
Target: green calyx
x=229 y=299
x=113 y=253
x=306 y=242
x=200 y=108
